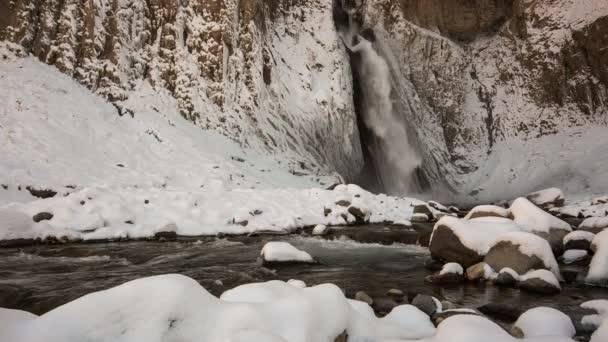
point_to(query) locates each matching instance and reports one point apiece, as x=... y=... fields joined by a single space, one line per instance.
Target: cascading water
x=395 y=159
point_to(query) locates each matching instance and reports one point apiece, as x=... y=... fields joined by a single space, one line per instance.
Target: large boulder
x=465 y=241
x=521 y=252
x=535 y=220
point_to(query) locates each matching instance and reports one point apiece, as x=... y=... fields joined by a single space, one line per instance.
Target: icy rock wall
x=269 y=74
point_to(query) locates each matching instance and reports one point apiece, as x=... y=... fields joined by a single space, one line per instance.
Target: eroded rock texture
x=269 y=74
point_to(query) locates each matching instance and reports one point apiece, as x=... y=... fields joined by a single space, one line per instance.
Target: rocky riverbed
x=41 y=278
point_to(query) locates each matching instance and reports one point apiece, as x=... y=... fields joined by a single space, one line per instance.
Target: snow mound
x=545 y=275
x=594 y=223
x=547 y=198
x=573 y=255
x=579 y=235
x=451 y=267
x=598 y=268
x=534 y=219
x=279 y=251
x=544 y=321
x=487 y=211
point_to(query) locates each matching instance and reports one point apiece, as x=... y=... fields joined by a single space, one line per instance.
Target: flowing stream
x=40 y=278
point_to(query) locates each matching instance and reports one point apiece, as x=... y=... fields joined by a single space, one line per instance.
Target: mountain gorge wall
x=471 y=78
x=268 y=74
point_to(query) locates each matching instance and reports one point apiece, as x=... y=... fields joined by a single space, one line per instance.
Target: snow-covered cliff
x=268 y=74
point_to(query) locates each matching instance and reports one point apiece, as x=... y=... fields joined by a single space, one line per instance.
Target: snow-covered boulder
x=278 y=252
x=540 y=281
x=488 y=211
x=543 y=322
x=521 y=252
x=547 y=198
x=535 y=220
x=578 y=239
x=575 y=256
x=319 y=229
x=470 y=328
x=600 y=317
x=598 y=268
x=594 y=224
x=451 y=273
x=466 y=241
x=506 y=277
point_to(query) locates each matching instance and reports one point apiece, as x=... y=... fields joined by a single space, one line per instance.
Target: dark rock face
x=501 y=311
x=578 y=244
x=445 y=245
x=505 y=279
x=506 y=254
x=538 y=285
x=43 y=216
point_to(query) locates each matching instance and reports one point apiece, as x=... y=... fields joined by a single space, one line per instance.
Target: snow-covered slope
x=122 y=176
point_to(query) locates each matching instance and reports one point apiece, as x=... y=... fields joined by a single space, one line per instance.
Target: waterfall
x=395 y=159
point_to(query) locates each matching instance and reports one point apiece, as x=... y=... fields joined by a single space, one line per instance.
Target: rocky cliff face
x=470 y=78
x=480 y=75
x=269 y=74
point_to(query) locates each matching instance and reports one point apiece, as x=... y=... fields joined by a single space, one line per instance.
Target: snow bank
x=282 y=251
x=544 y=321
x=114 y=212
x=598 y=268
x=534 y=219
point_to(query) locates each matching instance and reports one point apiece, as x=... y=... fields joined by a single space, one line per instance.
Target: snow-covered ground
x=122 y=176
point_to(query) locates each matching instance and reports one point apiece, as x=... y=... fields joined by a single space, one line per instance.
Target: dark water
x=40 y=278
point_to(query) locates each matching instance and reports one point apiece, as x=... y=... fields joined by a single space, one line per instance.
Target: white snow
x=544 y=321
x=452 y=267
x=532 y=245
x=598 y=268
x=319 y=229
x=545 y=275
x=474 y=234
x=599 y=320
x=594 y=222
x=573 y=255
x=579 y=235
x=533 y=218
x=297 y=283
x=283 y=251
x=488 y=210
x=546 y=196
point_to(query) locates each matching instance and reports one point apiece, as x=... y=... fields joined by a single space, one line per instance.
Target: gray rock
x=364 y=297
x=426 y=304
x=446 y=245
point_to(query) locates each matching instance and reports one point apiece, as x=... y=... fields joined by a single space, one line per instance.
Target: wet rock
x=446 y=245
x=419 y=217
x=423 y=209
x=477 y=271
x=43 y=216
x=396 y=295
x=507 y=253
x=506 y=278
x=326 y=212
x=383 y=306
x=539 y=285
x=555 y=238
x=500 y=311
x=343 y=203
x=426 y=304
x=360 y=215
x=444 y=279
x=41 y=193
x=433 y=265
x=364 y=297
